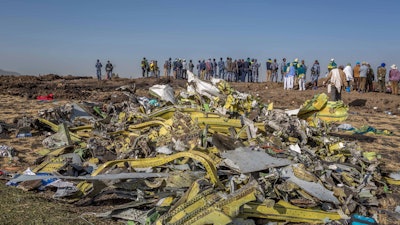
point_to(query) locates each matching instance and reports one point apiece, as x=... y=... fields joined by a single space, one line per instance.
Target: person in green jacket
x=332 y=64
x=381 y=75
x=301 y=71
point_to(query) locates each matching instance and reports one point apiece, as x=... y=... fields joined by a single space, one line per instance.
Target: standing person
x=283 y=68
x=229 y=69
x=191 y=66
x=214 y=68
x=152 y=68
x=169 y=67
x=305 y=67
x=209 y=69
x=109 y=69
x=166 y=69
x=363 y=77
x=394 y=77
x=268 y=65
x=296 y=67
x=289 y=76
x=180 y=69
x=356 y=74
x=337 y=79
x=381 y=75
x=331 y=65
x=349 y=75
x=184 y=69
x=98 y=69
x=221 y=68
x=145 y=67
x=315 y=71
x=246 y=70
x=236 y=69
x=198 y=68
x=203 y=69
x=255 y=67
x=274 y=67
x=370 y=79
x=175 y=68
x=301 y=76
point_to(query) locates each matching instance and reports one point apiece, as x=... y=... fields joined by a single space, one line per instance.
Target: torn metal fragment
x=59 y=139
x=313 y=188
x=246 y=160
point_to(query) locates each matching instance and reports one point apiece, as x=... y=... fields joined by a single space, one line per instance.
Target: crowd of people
x=361 y=78
x=293 y=74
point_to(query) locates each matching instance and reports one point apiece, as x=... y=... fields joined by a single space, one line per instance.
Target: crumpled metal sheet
x=201 y=87
x=315 y=189
x=59 y=139
x=164 y=92
x=247 y=160
x=395 y=175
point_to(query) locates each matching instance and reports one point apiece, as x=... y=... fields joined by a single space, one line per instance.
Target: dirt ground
x=18 y=98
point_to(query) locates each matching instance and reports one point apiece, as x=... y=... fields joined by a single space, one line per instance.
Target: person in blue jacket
x=98 y=69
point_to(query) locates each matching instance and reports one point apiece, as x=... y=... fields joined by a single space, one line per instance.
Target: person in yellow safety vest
x=152 y=67
x=296 y=67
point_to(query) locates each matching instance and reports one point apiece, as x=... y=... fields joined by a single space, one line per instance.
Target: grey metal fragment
x=315 y=189
x=246 y=160
x=395 y=175
x=65 y=191
x=59 y=139
x=79 y=113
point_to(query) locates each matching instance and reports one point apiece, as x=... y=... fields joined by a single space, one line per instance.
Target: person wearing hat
x=332 y=64
x=356 y=75
x=394 y=77
x=381 y=75
x=296 y=67
x=337 y=79
x=301 y=76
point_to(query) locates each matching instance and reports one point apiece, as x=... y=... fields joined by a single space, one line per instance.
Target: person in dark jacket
x=109 y=69
x=370 y=79
x=98 y=69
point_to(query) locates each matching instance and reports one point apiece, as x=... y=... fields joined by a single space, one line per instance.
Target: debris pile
x=207 y=155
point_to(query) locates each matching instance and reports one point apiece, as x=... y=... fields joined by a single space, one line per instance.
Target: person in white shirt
x=348 y=70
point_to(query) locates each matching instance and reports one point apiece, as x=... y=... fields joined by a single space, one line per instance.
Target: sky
x=67 y=37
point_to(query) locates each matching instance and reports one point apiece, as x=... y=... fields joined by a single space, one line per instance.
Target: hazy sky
x=66 y=37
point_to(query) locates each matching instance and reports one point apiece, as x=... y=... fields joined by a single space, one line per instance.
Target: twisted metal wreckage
x=209 y=155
